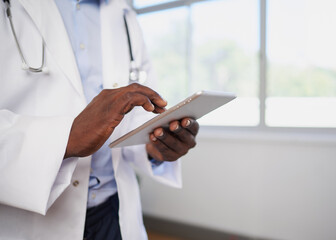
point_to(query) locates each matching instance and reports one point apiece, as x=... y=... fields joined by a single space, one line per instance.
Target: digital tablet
x=194 y=107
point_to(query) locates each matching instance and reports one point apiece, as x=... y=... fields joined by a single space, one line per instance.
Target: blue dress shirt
x=82 y=22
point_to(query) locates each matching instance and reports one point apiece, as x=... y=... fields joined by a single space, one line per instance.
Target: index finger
x=155 y=98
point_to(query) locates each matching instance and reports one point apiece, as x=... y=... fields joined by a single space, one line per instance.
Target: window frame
x=262 y=56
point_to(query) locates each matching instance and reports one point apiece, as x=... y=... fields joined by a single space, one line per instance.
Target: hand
x=169 y=144
x=94 y=125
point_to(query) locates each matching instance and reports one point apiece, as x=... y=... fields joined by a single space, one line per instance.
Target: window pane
x=147 y=3
x=167 y=47
x=301 y=68
x=225 y=57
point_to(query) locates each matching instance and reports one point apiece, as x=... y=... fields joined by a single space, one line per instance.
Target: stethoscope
x=136 y=74
x=25 y=65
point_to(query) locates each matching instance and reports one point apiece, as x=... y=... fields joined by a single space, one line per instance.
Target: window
x=277 y=56
x=301 y=63
x=167 y=45
x=224 y=56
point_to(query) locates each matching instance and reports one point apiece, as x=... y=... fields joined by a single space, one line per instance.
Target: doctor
x=56 y=119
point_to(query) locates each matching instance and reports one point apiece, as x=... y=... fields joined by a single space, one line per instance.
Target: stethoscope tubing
x=25 y=65
x=134 y=74
x=128 y=38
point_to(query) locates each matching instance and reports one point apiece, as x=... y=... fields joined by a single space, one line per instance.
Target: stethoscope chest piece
x=137 y=75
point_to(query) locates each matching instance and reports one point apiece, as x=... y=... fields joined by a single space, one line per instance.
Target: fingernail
x=160 y=134
x=153 y=138
x=188 y=123
x=176 y=128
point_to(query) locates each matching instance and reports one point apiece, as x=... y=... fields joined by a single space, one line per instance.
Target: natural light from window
x=215 y=45
x=222 y=55
x=301 y=69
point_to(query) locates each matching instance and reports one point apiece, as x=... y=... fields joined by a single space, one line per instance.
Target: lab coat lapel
x=48 y=20
x=115 y=55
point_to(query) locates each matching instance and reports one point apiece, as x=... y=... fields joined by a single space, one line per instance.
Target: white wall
x=275 y=186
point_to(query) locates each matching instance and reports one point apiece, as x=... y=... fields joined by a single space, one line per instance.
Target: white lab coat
x=38 y=197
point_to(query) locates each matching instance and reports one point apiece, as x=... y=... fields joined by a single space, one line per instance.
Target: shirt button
x=93 y=195
x=75 y=183
x=115 y=85
x=78 y=6
x=82 y=46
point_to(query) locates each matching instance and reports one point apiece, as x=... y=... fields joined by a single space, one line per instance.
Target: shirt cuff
x=155 y=163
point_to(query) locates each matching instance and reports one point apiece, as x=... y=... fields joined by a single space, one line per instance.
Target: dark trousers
x=102 y=221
